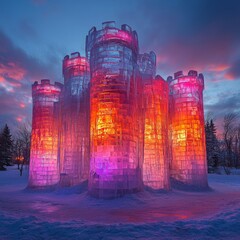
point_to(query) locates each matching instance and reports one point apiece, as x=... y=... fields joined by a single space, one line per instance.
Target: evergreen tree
x=6 y=144
x=215 y=145
x=212 y=144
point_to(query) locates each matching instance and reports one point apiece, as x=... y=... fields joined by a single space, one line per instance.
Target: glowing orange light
x=120 y=129
x=188 y=164
x=156 y=159
x=116 y=142
x=19 y=158
x=44 y=168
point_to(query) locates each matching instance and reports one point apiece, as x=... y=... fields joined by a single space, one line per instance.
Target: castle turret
x=156 y=157
x=74 y=133
x=44 y=166
x=116 y=148
x=188 y=163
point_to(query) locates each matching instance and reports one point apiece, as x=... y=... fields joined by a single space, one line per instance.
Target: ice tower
x=147 y=66
x=116 y=148
x=44 y=166
x=74 y=134
x=156 y=157
x=188 y=163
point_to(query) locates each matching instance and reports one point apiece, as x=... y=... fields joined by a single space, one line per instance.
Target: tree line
x=224 y=151
x=15 y=149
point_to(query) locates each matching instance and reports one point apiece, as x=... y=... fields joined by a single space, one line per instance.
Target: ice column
x=116 y=148
x=156 y=158
x=75 y=120
x=44 y=167
x=188 y=164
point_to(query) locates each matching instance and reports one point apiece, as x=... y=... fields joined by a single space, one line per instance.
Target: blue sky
x=35 y=35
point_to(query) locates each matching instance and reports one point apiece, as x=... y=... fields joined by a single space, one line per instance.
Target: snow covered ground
x=72 y=214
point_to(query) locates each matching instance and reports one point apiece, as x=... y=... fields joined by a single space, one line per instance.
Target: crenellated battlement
x=46 y=88
x=74 y=66
x=110 y=32
x=191 y=78
x=75 y=60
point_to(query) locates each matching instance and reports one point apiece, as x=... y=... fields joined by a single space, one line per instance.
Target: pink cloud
x=22 y=105
x=12 y=70
x=19 y=119
x=218 y=68
x=11 y=75
x=229 y=76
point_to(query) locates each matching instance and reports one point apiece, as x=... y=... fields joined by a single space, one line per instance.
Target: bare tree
x=18 y=151
x=237 y=146
x=22 y=141
x=229 y=134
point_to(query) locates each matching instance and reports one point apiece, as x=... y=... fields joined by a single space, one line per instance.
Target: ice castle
x=115 y=123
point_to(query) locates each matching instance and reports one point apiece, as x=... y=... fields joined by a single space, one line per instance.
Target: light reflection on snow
x=150 y=215
x=146 y=207
x=45 y=207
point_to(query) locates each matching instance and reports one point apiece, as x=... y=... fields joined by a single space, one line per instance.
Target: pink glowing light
x=188 y=163
x=116 y=124
x=22 y=105
x=116 y=146
x=19 y=119
x=74 y=117
x=44 y=167
x=156 y=157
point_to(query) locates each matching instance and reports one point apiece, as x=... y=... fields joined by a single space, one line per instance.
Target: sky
x=203 y=35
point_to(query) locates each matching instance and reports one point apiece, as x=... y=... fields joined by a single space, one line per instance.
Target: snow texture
x=69 y=213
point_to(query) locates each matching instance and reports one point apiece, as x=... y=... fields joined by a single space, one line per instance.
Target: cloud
x=188 y=34
x=12 y=58
x=234 y=71
x=227 y=102
x=17 y=72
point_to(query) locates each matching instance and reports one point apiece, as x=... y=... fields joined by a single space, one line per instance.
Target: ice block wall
x=156 y=159
x=116 y=151
x=147 y=66
x=188 y=163
x=75 y=120
x=44 y=167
